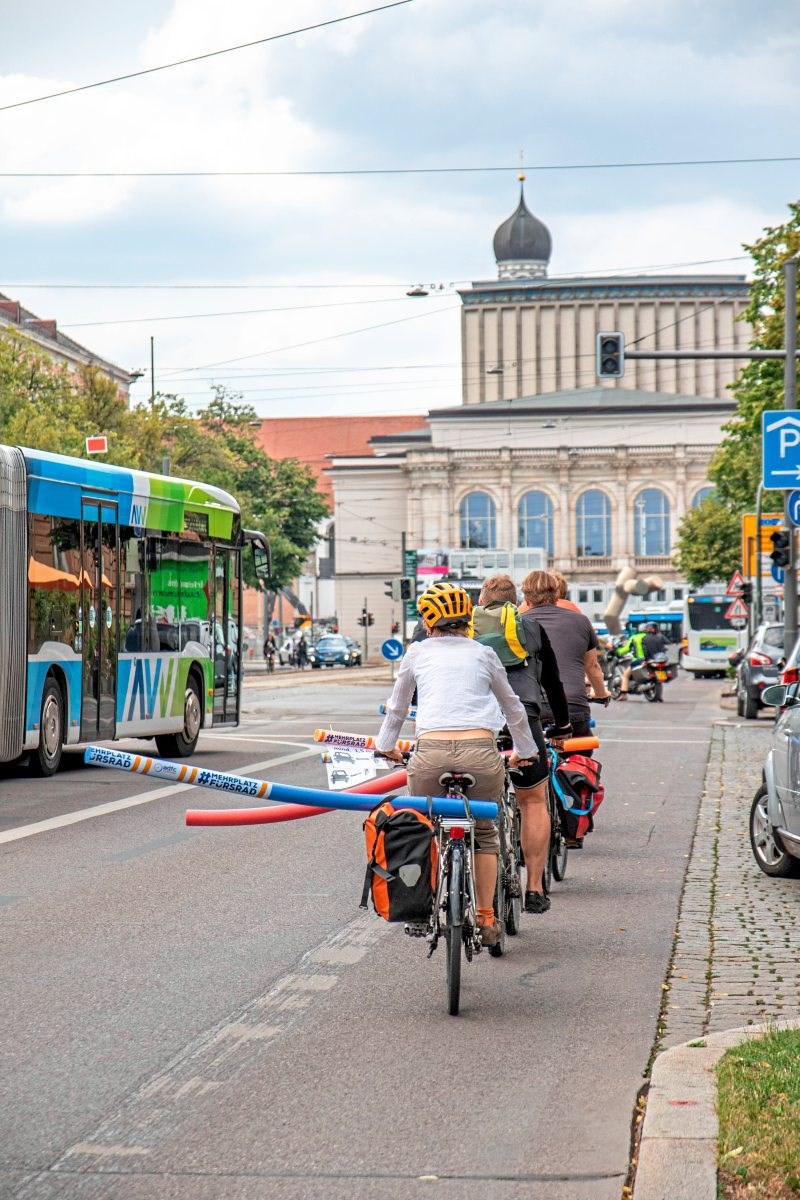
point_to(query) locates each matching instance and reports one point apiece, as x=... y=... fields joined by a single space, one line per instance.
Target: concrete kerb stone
x=677 y=1157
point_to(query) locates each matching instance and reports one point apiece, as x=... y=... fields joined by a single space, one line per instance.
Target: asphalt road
x=207 y=1015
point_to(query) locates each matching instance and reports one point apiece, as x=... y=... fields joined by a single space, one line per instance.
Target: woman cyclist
x=463 y=701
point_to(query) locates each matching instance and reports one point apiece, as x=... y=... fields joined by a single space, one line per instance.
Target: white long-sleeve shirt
x=461 y=684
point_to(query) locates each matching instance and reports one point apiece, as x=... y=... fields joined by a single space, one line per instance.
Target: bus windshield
x=710 y=614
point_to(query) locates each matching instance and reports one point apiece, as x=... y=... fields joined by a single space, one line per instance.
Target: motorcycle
x=647 y=679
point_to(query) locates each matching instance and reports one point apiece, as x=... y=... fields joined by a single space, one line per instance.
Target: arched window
x=593 y=525
x=536 y=522
x=478 y=522
x=700 y=496
x=651 y=523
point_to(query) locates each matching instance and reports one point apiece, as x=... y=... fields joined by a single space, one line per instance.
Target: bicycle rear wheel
x=454 y=929
x=513 y=912
x=501 y=899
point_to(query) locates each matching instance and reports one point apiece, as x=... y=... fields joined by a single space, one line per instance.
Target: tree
x=709 y=542
x=706 y=536
x=48 y=407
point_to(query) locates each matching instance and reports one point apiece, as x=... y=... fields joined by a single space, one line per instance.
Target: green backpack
x=500 y=627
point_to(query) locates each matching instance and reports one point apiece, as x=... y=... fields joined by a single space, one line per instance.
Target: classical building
x=46 y=337
x=542 y=464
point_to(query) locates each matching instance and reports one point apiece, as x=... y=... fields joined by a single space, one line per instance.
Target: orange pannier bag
x=402 y=859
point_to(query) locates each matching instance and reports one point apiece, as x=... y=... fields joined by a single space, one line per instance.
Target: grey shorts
x=480 y=757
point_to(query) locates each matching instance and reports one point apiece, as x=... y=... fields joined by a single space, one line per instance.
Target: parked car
x=758 y=667
x=791 y=669
x=334 y=649
x=775 y=812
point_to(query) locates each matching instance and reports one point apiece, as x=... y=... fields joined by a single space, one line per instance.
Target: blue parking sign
x=780 y=448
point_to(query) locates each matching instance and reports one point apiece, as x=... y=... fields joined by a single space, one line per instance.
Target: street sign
x=97 y=444
x=739 y=622
x=793 y=507
x=756 y=552
x=735 y=584
x=392 y=649
x=777 y=574
x=410 y=569
x=736 y=610
x=780 y=449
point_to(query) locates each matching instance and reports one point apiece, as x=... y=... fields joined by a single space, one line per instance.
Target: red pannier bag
x=578 y=779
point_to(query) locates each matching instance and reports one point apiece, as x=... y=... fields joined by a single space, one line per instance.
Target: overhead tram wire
x=275 y=37
x=351 y=171
x=241 y=312
x=566 y=276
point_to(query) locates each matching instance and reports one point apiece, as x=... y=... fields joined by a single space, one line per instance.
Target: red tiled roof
x=311 y=439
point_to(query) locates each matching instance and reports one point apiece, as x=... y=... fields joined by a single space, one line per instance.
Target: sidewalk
x=736 y=964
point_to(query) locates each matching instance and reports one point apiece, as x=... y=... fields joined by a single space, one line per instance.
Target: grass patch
x=758 y=1105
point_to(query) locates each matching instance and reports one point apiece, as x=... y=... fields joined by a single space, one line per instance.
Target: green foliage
x=709 y=542
x=47 y=407
x=708 y=545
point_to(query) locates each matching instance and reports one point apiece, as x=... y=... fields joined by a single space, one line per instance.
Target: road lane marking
x=102 y=810
x=147 y=1118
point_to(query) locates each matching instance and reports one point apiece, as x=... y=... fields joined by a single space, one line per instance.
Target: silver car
x=775 y=813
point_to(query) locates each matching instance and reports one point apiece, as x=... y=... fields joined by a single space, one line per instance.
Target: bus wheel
x=45 y=759
x=181 y=745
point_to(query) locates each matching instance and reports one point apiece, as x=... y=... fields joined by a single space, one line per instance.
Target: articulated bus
x=709 y=637
x=120 y=603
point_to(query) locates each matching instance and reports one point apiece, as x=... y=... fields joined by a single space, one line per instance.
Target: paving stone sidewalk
x=737 y=951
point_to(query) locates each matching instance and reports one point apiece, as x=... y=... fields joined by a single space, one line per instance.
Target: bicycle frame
x=445 y=840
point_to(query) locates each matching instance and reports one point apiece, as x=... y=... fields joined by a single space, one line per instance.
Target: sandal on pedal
x=490 y=934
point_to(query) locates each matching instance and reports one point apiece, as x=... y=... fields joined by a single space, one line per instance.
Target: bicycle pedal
x=416 y=929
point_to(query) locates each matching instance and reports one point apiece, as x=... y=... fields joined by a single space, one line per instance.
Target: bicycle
x=508 y=892
x=455 y=888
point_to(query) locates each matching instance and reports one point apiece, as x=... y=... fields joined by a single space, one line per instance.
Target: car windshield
x=773 y=636
x=331 y=643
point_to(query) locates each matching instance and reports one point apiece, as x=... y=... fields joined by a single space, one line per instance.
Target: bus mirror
x=262 y=557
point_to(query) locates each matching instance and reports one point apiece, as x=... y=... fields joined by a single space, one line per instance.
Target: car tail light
x=790 y=675
x=757 y=659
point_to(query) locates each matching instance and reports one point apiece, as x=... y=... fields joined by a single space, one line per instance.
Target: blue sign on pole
x=777 y=574
x=392 y=649
x=780 y=448
x=793 y=507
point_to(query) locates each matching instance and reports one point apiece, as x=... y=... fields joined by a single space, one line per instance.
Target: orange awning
x=42 y=576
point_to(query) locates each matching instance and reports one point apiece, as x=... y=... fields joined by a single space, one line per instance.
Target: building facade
x=540 y=459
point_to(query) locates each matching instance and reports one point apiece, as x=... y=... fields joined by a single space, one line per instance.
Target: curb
x=677 y=1157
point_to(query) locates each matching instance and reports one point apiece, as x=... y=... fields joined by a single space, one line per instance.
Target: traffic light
x=392 y=588
x=781 y=548
x=395 y=627
x=362 y=620
x=747 y=592
x=406 y=588
x=370 y=619
x=610 y=355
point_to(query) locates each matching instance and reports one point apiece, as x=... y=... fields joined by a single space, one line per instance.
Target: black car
x=759 y=667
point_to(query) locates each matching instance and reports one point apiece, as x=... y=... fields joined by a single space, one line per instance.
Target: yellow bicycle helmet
x=444 y=602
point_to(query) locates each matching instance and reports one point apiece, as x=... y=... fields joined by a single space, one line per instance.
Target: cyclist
x=574 y=643
x=540 y=671
x=642 y=646
x=270 y=650
x=463 y=701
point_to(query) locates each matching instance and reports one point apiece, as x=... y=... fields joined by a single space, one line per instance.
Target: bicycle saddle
x=460 y=779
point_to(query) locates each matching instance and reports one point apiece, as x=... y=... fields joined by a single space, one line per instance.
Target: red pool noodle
x=288 y=812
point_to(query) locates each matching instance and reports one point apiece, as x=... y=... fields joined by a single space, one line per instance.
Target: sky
x=210 y=268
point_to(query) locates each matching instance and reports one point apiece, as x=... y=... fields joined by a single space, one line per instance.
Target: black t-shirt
x=571 y=635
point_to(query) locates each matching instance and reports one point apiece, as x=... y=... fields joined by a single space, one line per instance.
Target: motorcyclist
x=643 y=645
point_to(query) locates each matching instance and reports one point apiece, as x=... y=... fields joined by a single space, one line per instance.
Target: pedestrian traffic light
x=747 y=592
x=406 y=588
x=781 y=548
x=610 y=355
x=395 y=627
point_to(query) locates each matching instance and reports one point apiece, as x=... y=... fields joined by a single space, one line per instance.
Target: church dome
x=522 y=244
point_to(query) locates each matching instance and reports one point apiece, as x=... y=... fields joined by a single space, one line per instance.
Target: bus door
x=98 y=624
x=227 y=634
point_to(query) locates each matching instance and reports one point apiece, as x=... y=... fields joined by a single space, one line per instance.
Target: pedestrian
x=302 y=652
